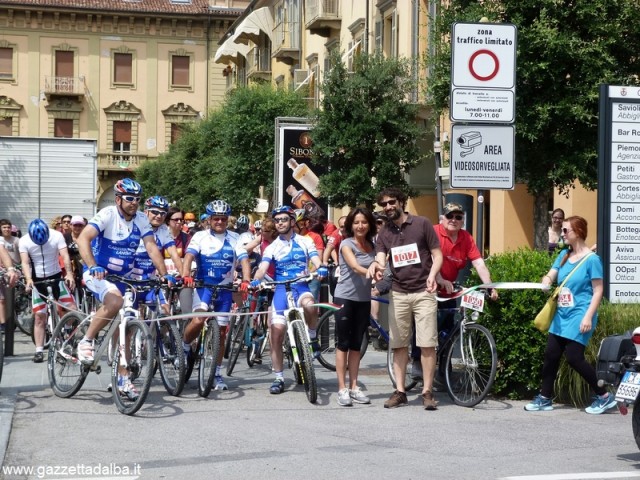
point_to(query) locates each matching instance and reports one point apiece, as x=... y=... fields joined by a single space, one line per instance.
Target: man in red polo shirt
x=457 y=247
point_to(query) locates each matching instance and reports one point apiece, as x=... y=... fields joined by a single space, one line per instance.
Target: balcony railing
x=64 y=86
x=322 y=16
x=120 y=160
x=259 y=62
x=286 y=42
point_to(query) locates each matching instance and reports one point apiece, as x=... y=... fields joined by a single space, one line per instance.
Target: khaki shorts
x=403 y=307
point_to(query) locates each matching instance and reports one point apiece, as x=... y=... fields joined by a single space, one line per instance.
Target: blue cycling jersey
x=143 y=265
x=118 y=239
x=291 y=257
x=216 y=255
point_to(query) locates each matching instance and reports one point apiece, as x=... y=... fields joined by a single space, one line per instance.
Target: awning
x=230 y=51
x=250 y=28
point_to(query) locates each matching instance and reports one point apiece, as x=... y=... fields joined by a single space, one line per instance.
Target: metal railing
x=259 y=60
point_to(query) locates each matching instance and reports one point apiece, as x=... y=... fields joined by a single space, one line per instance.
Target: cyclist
x=39 y=252
x=156 y=209
x=217 y=251
x=108 y=245
x=291 y=254
x=242 y=224
x=302 y=227
x=9 y=258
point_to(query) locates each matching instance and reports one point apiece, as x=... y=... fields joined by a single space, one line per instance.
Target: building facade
x=127 y=73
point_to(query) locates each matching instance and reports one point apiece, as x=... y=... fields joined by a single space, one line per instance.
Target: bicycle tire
x=327 y=336
x=233 y=326
x=305 y=367
x=237 y=342
x=23 y=311
x=209 y=358
x=471 y=365
x=170 y=357
x=66 y=373
x=47 y=332
x=256 y=348
x=409 y=382
x=139 y=344
x=192 y=360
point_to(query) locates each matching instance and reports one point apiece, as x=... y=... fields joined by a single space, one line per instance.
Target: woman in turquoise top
x=576 y=316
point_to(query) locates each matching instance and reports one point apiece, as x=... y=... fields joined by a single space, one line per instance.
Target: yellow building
x=288 y=42
x=126 y=73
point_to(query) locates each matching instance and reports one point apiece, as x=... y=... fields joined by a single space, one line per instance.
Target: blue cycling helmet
x=39 y=231
x=158 y=202
x=203 y=217
x=243 y=222
x=284 y=209
x=126 y=186
x=219 y=207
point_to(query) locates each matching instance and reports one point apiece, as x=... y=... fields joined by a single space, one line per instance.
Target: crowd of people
x=386 y=250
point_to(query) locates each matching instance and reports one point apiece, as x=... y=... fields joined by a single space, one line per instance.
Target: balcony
x=120 y=161
x=259 y=63
x=64 y=87
x=322 y=16
x=286 y=42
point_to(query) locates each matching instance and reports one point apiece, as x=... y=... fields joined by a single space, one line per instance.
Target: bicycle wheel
x=237 y=342
x=258 y=342
x=140 y=356
x=471 y=365
x=23 y=313
x=170 y=357
x=233 y=326
x=328 y=338
x=66 y=373
x=209 y=358
x=409 y=382
x=305 y=368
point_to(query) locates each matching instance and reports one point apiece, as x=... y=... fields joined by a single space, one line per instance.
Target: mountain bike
x=134 y=352
x=51 y=308
x=257 y=337
x=22 y=307
x=297 y=348
x=207 y=348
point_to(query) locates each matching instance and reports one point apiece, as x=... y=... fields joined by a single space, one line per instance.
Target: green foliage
x=520 y=345
x=613 y=319
x=366 y=129
x=229 y=155
x=565 y=51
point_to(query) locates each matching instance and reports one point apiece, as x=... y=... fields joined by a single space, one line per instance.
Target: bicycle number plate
x=473 y=300
x=629 y=386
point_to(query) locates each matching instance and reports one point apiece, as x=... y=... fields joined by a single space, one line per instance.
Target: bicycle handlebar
x=273 y=283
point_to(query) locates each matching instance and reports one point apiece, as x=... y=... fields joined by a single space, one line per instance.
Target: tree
x=566 y=49
x=229 y=155
x=366 y=129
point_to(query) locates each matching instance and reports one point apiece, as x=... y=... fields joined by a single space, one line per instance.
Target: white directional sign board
x=483 y=64
x=482 y=157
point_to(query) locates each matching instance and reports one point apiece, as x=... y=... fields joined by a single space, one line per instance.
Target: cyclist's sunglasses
x=130 y=198
x=157 y=213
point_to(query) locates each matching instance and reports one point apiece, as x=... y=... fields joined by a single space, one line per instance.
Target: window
x=176 y=131
x=180 y=70
x=6 y=63
x=64 y=71
x=63 y=128
x=121 y=137
x=6 y=127
x=123 y=68
x=390 y=34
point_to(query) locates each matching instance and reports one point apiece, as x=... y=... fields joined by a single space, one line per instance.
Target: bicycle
x=242 y=331
x=297 y=347
x=52 y=311
x=207 y=349
x=135 y=352
x=23 y=312
x=170 y=357
x=467 y=357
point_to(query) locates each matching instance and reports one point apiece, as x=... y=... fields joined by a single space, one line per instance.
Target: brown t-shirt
x=419 y=230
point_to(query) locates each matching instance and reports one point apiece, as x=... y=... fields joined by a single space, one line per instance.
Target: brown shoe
x=397 y=399
x=428 y=401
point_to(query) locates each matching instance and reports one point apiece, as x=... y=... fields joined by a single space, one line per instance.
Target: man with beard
x=415 y=259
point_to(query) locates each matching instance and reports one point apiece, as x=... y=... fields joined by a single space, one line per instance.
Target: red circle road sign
x=496 y=65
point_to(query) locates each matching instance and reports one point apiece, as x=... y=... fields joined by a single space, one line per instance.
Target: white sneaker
x=219 y=383
x=127 y=389
x=344 y=399
x=358 y=397
x=85 y=351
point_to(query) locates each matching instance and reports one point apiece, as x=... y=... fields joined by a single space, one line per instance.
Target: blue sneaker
x=601 y=404
x=539 y=404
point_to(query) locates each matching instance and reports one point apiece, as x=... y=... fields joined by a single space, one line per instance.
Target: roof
x=185 y=7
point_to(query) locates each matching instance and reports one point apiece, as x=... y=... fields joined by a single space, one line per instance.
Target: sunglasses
x=157 y=213
x=66 y=221
x=281 y=220
x=177 y=220
x=130 y=198
x=219 y=219
x=566 y=230
x=451 y=216
x=389 y=202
